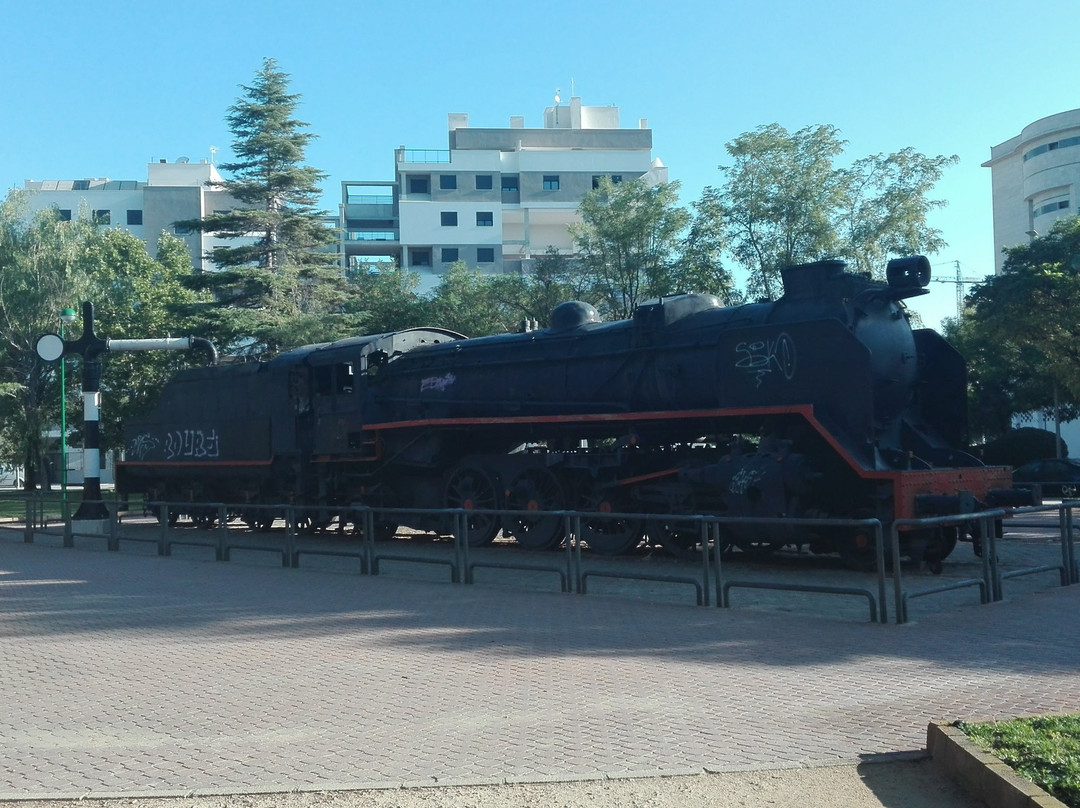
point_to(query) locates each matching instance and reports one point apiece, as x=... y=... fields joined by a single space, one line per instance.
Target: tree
x=543 y=284
x=779 y=198
x=282 y=267
x=384 y=298
x=138 y=297
x=463 y=302
x=627 y=241
x=700 y=267
x=785 y=201
x=43 y=268
x=1021 y=334
x=886 y=205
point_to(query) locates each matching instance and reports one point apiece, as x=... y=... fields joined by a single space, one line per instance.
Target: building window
x=510 y=182
x=1064 y=143
x=1052 y=207
x=419 y=185
x=65 y=214
x=551 y=182
x=134 y=217
x=449 y=255
x=485 y=218
x=449 y=218
x=420 y=258
x=615 y=179
x=102 y=217
x=483 y=182
x=448 y=182
x=181 y=230
x=485 y=255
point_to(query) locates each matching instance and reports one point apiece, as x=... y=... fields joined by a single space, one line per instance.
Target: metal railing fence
x=574 y=568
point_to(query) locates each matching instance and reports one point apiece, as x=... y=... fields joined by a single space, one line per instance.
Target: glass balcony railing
x=368 y=199
x=423 y=155
x=372 y=235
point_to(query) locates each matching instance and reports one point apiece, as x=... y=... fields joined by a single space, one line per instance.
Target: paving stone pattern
x=128 y=673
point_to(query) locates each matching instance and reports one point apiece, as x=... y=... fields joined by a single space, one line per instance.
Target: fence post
x=28 y=530
x=290 y=535
x=222 y=551
x=704 y=529
x=113 y=544
x=898 y=584
x=879 y=540
x=65 y=514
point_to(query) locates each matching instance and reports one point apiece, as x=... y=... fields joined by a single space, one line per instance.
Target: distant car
x=1058 y=477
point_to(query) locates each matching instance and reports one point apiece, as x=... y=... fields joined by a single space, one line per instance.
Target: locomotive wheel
x=164 y=513
x=204 y=518
x=606 y=536
x=536 y=490
x=678 y=537
x=258 y=519
x=471 y=488
x=858 y=551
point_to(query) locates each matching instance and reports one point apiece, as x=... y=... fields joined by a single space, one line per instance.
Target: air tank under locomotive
x=824 y=403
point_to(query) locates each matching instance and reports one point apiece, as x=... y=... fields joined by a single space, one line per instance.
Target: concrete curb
x=983 y=775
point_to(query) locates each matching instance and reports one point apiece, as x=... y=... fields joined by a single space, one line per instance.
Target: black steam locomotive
x=824 y=403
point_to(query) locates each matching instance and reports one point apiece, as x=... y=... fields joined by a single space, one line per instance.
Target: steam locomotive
x=824 y=403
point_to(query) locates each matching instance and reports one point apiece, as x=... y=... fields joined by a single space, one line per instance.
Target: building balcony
x=423 y=156
x=371 y=235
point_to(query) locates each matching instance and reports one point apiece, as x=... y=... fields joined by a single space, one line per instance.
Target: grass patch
x=1045 y=750
x=48 y=505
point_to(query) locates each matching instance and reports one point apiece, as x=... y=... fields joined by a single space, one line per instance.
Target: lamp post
x=67 y=317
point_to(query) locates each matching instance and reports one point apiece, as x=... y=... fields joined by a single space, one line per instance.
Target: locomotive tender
x=824 y=403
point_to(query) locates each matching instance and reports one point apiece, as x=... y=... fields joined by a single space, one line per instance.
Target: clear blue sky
x=100 y=91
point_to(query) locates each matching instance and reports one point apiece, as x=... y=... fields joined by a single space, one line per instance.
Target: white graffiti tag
x=743 y=479
x=194 y=443
x=761 y=357
x=437 y=383
x=142 y=445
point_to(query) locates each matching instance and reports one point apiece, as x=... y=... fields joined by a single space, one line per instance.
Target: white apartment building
x=497 y=197
x=172 y=192
x=1035 y=178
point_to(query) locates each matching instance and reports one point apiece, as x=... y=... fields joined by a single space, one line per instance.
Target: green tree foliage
x=281 y=268
x=384 y=298
x=532 y=294
x=43 y=268
x=700 y=267
x=465 y=301
x=886 y=205
x=785 y=201
x=628 y=240
x=1021 y=333
x=137 y=297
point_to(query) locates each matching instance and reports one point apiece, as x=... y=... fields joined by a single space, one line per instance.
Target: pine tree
x=279 y=268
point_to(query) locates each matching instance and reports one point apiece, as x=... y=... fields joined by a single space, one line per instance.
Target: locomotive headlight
x=908 y=273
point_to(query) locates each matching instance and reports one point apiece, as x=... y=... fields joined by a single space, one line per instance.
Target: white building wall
x=173 y=192
x=1035 y=178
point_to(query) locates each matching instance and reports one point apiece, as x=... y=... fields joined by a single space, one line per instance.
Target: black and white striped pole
x=90 y=347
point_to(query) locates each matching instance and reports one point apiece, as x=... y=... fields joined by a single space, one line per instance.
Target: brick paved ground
x=126 y=673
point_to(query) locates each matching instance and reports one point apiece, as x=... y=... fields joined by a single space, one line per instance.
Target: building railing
x=371 y=235
x=423 y=155
x=368 y=199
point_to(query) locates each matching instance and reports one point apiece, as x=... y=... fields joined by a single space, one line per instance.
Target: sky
x=88 y=90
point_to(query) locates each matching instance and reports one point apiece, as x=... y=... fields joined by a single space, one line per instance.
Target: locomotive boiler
x=824 y=403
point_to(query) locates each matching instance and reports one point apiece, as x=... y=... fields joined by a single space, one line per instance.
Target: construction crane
x=960 y=282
